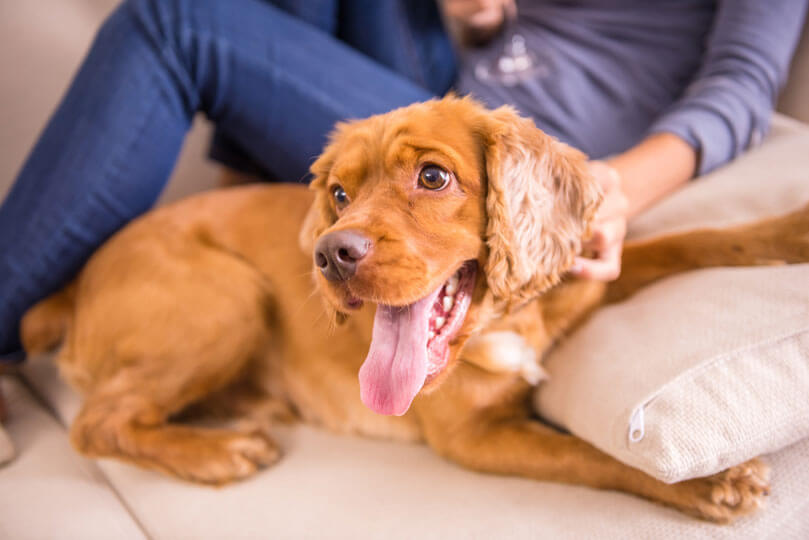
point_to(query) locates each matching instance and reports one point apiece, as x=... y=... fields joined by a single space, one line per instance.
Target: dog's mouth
x=410 y=344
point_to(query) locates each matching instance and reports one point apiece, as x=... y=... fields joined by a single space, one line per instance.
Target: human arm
x=625 y=182
x=723 y=111
x=727 y=107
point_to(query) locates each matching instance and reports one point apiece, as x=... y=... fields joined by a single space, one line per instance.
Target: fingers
x=615 y=202
x=479 y=13
x=607 y=242
x=615 y=205
x=510 y=8
x=466 y=8
x=606 y=268
x=608 y=229
x=606 y=234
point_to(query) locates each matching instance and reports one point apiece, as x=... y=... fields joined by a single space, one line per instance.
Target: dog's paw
x=726 y=496
x=227 y=458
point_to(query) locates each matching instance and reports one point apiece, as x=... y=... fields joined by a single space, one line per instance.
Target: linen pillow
x=703 y=370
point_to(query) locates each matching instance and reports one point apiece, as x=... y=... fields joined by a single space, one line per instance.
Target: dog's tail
x=45 y=325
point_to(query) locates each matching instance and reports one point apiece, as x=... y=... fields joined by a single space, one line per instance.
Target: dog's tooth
x=430 y=334
x=448 y=303
x=452 y=285
x=439 y=322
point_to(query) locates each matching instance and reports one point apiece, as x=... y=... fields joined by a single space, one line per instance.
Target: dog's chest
x=318 y=365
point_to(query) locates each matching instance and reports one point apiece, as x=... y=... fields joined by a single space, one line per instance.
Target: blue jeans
x=273 y=76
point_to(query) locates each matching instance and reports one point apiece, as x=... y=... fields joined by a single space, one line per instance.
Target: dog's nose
x=337 y=254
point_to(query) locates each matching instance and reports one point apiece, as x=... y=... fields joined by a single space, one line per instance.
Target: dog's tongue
x=396 y=365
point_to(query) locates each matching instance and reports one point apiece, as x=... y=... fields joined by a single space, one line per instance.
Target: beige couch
x=326 y=486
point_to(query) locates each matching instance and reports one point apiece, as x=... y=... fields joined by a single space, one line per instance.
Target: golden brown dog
x=427 y=226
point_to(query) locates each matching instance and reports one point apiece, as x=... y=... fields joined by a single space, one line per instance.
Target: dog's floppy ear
x=320 y=215
x=540 y=201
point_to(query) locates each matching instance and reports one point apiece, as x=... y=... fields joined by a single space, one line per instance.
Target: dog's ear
x=320 y=215
x=540 y=201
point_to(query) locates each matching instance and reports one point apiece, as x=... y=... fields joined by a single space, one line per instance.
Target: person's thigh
x=405 y=36
x=408 y=36
x=273 y=83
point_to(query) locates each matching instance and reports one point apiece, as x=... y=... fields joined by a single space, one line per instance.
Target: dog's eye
x=340 y=196
x=434 y=177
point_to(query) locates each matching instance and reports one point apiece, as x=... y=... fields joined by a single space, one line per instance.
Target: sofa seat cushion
x=49 y=491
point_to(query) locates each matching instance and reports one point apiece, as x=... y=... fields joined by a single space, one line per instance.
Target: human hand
x=479 y=20
x=608 y=228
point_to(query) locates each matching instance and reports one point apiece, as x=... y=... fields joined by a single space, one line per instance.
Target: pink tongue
x=396 y=365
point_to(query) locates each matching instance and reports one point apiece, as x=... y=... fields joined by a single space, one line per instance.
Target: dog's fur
x=213 y=303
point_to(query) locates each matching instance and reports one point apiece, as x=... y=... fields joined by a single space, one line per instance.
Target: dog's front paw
x=227 y=458
x=725 y=496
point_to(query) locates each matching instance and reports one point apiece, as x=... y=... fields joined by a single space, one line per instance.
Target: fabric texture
x=707 y=369
x=612 y=71
x=49 y=491
x=727 y=105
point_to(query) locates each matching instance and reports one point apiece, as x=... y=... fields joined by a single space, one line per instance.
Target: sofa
x=330 y=486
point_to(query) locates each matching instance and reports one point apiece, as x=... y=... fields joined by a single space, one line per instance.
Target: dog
x=359 y=305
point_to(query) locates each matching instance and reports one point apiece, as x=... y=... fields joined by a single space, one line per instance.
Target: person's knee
x=169 y=30
x=163 y=21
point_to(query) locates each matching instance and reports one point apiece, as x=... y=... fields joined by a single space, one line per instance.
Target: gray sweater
x=618 y=70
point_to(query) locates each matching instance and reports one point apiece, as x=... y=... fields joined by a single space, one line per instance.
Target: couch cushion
x=706 y=369
x=329 y=486
x=768 y=180
x=49 y=491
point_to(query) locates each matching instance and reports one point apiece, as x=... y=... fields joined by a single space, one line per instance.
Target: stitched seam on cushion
x=697 y=463
x=621 y=424
x=703 y=366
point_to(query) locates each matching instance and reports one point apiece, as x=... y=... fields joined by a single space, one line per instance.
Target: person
x=655 y=92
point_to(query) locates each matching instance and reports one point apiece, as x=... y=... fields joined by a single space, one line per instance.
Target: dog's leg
x=132 y=426
x=504 y=439
x=156 y=333
x=528 y=448
x=245 y=401
x=524 y=447
x=46 y=323
x=131 y=415
x=779 y=240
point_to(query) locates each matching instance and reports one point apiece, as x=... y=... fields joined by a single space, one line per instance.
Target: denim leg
x=406 y=36
x=321 y=14
x=274 y=84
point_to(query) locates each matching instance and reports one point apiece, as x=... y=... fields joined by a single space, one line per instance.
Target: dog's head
x=442 y=214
